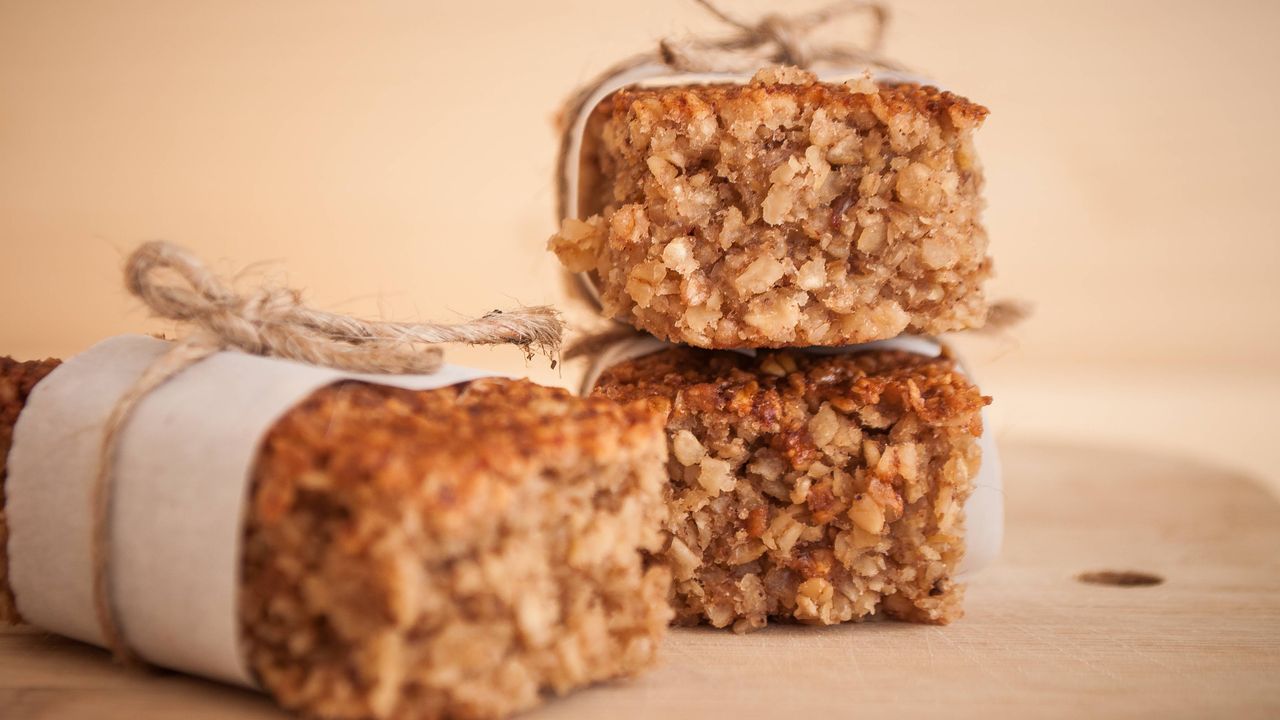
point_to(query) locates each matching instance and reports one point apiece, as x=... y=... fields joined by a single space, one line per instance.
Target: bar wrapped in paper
x=820 y=485
x=357 y=546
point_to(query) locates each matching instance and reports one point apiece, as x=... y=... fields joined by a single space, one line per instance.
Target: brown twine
x=602 y=347
x=1004 y=315
x=774 y=39
x=272 y=322
x=593 y=343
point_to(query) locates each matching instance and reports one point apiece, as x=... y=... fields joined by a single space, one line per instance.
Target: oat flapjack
x=783 y=212
x=462 y=551
x=818 y=488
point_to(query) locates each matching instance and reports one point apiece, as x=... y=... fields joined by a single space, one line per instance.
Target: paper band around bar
x=179 y=494
x=984 y=510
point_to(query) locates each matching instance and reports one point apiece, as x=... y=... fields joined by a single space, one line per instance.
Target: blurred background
x=395 y=159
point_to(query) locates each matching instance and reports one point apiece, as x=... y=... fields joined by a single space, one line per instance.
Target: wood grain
x=1036 y=641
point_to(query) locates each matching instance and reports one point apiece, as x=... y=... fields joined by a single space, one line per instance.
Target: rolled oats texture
x=782 y=212
x=847 y=476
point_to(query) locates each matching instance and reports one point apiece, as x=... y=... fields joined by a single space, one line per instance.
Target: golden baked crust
x=452 y=552
x=813 y=488
x=784 y=212
x=458 y=552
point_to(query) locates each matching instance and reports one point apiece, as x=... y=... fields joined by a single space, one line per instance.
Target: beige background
x=395 y=159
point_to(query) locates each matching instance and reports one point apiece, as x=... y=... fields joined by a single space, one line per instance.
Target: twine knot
x=789 y=36
x=775 y=38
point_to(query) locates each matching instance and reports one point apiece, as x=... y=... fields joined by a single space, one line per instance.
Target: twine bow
x=777 y=39
x=274 y=322
x=774 y=39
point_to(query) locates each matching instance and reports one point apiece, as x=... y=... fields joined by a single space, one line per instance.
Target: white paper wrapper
x=984 y=510
x=178 y=495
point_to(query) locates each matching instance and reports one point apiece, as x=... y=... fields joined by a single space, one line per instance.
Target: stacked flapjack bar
x=452 y=552
x=784 y=212
x=826 y=483
x=819 y=488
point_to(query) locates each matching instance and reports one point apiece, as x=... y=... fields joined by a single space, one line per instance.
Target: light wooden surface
x=1035 y=641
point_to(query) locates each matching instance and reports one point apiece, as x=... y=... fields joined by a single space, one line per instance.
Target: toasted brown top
x=885 y=99
x=454 y=452
x=775 y=393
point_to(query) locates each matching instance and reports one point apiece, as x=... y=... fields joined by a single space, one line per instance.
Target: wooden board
x=1036 y=641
